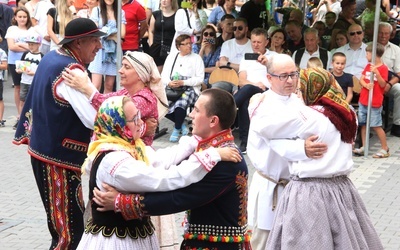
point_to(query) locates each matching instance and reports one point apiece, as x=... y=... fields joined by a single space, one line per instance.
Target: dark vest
x=323 y=55
x=58 y=136
x=109 y=222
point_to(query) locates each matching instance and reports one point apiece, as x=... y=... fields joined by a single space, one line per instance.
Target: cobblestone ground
x=23 y=222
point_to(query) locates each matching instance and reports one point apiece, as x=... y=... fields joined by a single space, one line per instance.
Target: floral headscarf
x=319 y=87
x=111 y=132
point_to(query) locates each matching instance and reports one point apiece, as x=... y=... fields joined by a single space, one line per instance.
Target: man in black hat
x=56 y=123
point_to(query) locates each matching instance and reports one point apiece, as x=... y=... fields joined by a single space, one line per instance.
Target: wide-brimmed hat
x=79 y=28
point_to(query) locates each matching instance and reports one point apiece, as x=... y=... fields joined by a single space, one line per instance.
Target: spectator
x=87 y=12
x=298 y=16
x=162 y=31
x=16 y=47
x=355 y=51
x=188 y=21
x=338 y=40
x=232 y=51
x=347 y=16
x=321 y=27
x=6 y=16
x=206 y=48
x=252 y=80
x=323 y=7
x=224 y=7
x=39 y=19
x=345 y=80
x=330 y=19
x=391 y=59
x=278 y=42
x=311 y=49
x=105 y=63
x=31 y=6
x=255 y=12
x=3 y=66
x=182 y=69
x=369 y=13
x=285 y=10
x=381 y=73
x=9 y=3
x=226 y=26
x=57 y=20
x=295 y=36
x=33 y=57
x=135 y=26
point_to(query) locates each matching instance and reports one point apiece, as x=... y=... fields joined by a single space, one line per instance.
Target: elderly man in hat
x=56 y=123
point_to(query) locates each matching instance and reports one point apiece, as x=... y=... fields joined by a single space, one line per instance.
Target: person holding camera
x=252 y=80
x=208 y=50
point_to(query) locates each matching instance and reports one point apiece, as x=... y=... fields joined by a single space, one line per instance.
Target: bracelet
x=391 y=85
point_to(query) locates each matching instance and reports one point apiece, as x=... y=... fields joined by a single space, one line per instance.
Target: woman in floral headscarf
x=118 y=157
x=320 y=208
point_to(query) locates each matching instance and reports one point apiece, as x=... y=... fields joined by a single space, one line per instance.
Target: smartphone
x=210 y=40
x=251 y=56
x=186 y=5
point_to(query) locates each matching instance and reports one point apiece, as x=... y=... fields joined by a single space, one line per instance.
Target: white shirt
x=356 y=60
x=234 y=51
x=78 y=101
x=306 y=56
x=256 y=72
x=191 y=66
x=40 y=15
x=182 y=26
x=391 y=57
x=303 y=122
x=120 y=170
x=261 y=152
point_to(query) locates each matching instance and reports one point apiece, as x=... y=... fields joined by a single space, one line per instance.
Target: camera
x=210 y=40
x=251 y=56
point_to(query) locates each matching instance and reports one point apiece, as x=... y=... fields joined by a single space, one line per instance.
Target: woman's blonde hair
x=65 y=14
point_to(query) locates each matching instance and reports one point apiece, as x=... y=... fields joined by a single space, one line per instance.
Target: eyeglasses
x=240 y=28
x=136 y=118
x=209 y=33
x=283 y=77
x=355 y=32
x=185 y=44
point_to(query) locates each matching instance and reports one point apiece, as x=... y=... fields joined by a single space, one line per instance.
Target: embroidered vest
x=57 y=135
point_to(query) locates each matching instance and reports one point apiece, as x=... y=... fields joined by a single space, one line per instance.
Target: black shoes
x=243 y=147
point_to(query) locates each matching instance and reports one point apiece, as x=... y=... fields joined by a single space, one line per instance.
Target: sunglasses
x=355 y=32
x=240 y=28
x=209 y=33
x=136 y=118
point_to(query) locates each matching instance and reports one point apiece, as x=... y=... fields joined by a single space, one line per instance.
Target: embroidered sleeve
x=129 y=205
x=208 y=158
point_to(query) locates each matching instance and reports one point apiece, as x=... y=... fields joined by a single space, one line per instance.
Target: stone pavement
x=23 y=221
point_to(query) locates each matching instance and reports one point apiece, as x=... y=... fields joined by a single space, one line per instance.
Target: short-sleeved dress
x=97 y=66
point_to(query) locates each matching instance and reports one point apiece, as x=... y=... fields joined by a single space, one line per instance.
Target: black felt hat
x=79 y=28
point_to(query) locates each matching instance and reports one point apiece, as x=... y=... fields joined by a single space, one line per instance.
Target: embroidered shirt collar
x=215 y=141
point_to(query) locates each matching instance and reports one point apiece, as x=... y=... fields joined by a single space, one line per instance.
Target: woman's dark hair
x=103 y=12
x=213 y=46
x=28 y=22
x=333 y=44
x=180 y=39
x=284 y=45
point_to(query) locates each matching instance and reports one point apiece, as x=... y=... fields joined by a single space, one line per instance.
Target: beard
x=241 y=36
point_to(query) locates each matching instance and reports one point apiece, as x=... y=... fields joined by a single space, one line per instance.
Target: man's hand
x=151 y=126
x=314 y=150
x=105 y=199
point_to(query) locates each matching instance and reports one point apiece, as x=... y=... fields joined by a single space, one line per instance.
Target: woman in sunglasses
x=140 y=80
x=206 y=48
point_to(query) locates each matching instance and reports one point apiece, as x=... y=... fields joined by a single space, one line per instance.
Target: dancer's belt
x=280 y=182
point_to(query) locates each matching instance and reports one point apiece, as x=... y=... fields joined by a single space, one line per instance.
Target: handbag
x=173 y=94
x=165 y=49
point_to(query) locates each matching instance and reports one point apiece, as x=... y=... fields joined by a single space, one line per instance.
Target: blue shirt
x=217 y=13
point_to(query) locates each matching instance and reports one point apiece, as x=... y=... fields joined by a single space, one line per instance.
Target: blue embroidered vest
x=48 y=123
